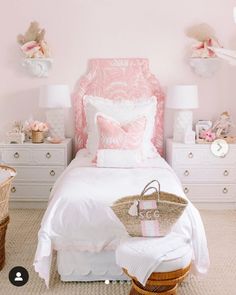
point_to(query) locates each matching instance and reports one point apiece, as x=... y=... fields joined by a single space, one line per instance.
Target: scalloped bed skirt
x=87 y=266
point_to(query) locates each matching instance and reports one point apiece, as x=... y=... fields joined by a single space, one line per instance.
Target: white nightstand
x=37 y=166
x=207 y=180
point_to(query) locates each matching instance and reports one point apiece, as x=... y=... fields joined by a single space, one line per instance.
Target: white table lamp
x=55 y=98
x=183 y=98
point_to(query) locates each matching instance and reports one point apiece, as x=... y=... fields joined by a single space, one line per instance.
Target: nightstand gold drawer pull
x=13 y=189
x=48 y=155
x=225 y=190
x=52 y=173
x=186 y=190
x=226 y=173
x=16 y=155
x=190 y=155
x=50 y=189
x=186 y=173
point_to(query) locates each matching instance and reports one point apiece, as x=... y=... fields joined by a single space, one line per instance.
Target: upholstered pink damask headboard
x=121 y=78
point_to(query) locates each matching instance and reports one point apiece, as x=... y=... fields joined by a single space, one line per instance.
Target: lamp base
x=55 y=120
x=183 y=120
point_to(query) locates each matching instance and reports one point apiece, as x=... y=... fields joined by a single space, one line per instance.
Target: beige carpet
x=21 y=245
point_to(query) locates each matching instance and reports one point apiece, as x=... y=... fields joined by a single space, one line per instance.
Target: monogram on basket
x=149 y=215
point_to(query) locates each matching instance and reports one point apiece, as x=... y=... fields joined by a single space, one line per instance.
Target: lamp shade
x=182 y=97
x=54 y=97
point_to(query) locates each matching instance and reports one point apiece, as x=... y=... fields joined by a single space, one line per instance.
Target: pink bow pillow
x=113 y=135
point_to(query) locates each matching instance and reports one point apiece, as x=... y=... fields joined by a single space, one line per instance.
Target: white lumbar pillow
x=123 y=111
x=111 y=158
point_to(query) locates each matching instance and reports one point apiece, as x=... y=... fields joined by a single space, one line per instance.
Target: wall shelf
x=205 y=67
x=38 y=67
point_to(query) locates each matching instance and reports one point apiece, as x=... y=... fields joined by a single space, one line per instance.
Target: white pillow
x=111 y=158
x=123 y=111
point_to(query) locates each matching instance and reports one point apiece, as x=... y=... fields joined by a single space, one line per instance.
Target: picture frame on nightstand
x=202 y=125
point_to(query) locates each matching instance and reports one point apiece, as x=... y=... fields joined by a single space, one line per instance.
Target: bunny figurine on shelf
x=222 y=126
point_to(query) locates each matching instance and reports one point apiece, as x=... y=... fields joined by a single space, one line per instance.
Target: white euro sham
x=123 y=111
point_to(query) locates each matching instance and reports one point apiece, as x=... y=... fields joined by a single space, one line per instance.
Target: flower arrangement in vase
x=35 y=50
x=208 y=135
x=33 y=44
x=204 y=60
x=37 y=129
x=205 y=37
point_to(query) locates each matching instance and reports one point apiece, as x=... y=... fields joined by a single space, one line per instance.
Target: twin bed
x=79 y=223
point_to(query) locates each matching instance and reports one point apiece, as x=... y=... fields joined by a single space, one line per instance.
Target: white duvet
x=78 y=216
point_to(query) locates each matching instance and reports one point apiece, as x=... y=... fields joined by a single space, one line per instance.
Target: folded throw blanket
x=141 y=256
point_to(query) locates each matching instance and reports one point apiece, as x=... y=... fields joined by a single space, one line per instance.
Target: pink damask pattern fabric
x=116 y=79
x=112 y=135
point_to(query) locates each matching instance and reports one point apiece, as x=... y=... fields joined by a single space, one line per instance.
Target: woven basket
x=150 y=215
x=37 y=136
x=5 y=188
x=3 y=229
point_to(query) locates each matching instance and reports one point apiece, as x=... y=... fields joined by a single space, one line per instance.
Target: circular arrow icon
x=219 y=148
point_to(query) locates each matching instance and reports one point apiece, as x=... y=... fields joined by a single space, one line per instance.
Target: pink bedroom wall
x=81 y=29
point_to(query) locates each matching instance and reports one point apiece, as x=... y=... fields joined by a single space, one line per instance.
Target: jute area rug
x=22 y=240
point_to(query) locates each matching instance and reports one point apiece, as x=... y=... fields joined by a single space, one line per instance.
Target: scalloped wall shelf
x=205 y=67
x=38 y=67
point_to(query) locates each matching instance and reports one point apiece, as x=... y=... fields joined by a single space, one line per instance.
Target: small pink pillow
x=112 y=135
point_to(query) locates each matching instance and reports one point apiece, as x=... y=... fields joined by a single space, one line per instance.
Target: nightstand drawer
x=202 y=156
x=229 y=159
x=30 y=190
x=189 y=156
x=203 y=174
x=38 y=166
x=37 y=174
x=210 y=193
x=45 y=156
x=16 y=156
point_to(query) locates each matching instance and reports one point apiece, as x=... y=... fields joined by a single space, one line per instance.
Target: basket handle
x=148 y=187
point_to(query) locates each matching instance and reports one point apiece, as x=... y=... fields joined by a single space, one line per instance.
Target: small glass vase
x=37 y=136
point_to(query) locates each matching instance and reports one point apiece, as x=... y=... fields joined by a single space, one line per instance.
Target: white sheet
x=78 y=216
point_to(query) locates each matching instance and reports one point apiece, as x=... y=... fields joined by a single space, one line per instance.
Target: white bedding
x=78 y=216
